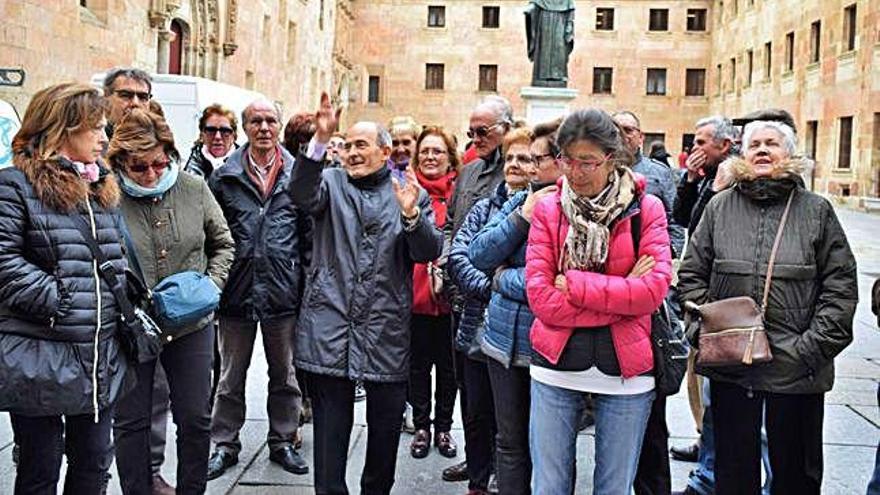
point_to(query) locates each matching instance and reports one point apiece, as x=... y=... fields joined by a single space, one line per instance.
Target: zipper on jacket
x=98 y=316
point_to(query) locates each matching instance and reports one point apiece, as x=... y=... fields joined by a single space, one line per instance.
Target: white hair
x=723 y=128
x=789 y=140
x=500 y=106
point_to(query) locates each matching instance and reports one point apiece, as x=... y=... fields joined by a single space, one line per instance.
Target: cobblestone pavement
x=852 y=420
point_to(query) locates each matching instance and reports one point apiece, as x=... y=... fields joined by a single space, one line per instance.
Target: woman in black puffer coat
x=59 y=355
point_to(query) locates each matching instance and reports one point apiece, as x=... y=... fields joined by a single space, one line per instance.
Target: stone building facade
x=818 y=59
x=281 y=48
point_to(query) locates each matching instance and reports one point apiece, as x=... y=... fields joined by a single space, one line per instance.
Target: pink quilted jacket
x=598 y=299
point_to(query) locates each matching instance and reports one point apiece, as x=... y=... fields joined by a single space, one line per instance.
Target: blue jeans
x=702 y=479
x=553 y=429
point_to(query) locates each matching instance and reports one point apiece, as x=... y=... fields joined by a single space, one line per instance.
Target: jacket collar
x=234 y=169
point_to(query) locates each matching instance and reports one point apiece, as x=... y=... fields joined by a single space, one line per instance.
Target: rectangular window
x=810 y=142
x=602 y=80
x=436 y=16
x=815 y=41
x=789 y=52
x=658 y=20
x=651 y=138
x=849 y=27
x=434 y=76
x=844 y=154
x=656 y=82
x=491 y=17
x=733 y=74
x=695 y=82
x=696 y=19
x=768 y=60
x=605 y=19
x=750 y=66
x=373 y=90
x=488 y=78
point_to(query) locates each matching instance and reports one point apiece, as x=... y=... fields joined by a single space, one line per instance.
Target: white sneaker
x=408 y=425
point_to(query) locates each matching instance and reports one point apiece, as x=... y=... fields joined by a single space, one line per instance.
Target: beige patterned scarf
x=586 y=245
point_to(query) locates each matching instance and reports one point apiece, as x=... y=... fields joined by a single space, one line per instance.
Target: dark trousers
x=284 y=404
x=333 y=410
x=511 y=391
x=431 y=346
x=479 y=423
x=44 y=440
x=794 y=440
x=159 y=420
x=187 y=364
x=652 y=475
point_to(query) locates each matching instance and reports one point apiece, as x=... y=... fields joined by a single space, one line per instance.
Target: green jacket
x=184 y=230
x=814 y=291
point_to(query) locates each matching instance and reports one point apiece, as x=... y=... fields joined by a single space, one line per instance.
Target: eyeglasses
x=157 y=166
x=481 y=131
x=541 y=158
x=588 y=164
x=520 y=159
x=224 y=131
x=431 y=151
x=128 y=95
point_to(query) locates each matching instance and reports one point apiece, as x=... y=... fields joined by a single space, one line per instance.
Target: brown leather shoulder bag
x=732 y=330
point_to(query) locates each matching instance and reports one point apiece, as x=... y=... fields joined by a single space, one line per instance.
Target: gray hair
x=724 y=128
x=260 y=100
x=500 y=106
x=789 y=140
x=128 y=72
x=383 y=137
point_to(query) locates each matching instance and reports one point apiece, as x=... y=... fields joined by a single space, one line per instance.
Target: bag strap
x=773 y=253
x=105 y=268
x=131 y=254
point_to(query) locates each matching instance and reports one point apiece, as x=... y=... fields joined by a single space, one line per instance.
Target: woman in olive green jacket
x=175 y=225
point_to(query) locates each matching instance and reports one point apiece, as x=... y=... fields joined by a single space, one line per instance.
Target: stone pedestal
x=546 y=104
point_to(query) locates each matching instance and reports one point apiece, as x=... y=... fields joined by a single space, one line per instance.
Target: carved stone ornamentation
x=230 y=45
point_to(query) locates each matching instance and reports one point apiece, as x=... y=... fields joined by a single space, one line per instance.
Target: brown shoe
x=421 y=444
x=445 y=444
x=161 y=487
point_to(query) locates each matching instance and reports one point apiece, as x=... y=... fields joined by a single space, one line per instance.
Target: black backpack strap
x=635 y=224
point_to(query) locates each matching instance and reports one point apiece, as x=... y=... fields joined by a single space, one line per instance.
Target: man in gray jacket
x=369 y=229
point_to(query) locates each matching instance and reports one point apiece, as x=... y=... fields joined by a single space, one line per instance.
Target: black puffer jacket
x=814 y=290
x=55 y=355
x=264 y=281
x=358 y=299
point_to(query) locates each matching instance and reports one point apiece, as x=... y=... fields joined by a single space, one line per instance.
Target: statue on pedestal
x=550 y=36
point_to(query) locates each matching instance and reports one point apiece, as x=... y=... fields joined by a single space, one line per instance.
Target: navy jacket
x=502 y=243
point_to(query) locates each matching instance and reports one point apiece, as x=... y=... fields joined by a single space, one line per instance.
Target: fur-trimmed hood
x=793 y=168
x=58 y=185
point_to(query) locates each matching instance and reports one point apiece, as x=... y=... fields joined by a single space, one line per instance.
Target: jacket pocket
x=730 y=278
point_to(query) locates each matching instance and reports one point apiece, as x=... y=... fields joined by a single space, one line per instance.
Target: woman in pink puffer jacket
x=593 y=296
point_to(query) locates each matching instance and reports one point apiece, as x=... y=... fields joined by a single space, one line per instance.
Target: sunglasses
x=482 y=131
x=224 y=131
x=157 y=166
x=130 y=95
x=587 y=165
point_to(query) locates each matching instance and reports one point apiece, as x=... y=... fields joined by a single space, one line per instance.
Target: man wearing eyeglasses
x=490 y=120
x=263 y=290
x=126 y=88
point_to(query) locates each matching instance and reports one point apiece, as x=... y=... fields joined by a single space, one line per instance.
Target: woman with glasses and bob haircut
x=436 y=165
x=174 y=225
x=592 y=295
x=62 y=368
x=218 y=129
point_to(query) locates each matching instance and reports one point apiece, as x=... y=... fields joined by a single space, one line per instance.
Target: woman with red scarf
x=436 y=164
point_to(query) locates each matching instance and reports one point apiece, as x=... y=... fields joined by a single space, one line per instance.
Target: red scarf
x=440 y=190
x=425 y=302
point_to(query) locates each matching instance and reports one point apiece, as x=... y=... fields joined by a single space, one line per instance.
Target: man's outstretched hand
x=326 y=120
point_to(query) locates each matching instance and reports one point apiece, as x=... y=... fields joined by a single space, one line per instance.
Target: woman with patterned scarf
x=592 y=296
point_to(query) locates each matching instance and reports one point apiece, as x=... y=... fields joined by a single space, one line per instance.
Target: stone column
x=164 y=54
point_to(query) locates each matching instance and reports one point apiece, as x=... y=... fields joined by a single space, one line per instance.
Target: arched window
x=175 y=59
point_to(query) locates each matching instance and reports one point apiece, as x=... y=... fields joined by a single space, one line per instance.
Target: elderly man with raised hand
x=263 y=289
x=369 y=230
x=490 y=121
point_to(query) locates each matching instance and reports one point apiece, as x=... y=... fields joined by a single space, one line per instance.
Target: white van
x=9 y=125
x=184 y=97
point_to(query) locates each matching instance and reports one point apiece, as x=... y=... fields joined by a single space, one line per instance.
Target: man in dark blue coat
x=263 y=288
x=369 y=229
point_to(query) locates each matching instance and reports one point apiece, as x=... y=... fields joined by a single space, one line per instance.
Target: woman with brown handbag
x=769 y=224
